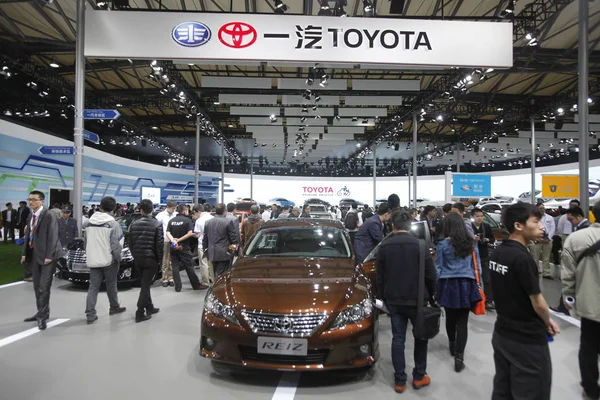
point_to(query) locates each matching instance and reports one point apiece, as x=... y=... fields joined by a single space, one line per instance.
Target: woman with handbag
x=458 y=270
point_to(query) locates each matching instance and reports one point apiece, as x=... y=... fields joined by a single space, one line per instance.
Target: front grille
x=284 y=324
x=313 y=357
x=76 y=256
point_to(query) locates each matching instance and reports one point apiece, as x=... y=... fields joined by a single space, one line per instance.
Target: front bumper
x=127 y=274
x=327 y=350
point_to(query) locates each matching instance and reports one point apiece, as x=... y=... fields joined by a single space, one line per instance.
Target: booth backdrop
x=23 y=168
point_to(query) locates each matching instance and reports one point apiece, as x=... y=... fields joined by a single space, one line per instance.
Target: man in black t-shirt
x=520 y=339
x=179 y=230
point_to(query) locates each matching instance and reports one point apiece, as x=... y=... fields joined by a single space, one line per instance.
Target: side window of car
x=488 y=220
x=267 y=241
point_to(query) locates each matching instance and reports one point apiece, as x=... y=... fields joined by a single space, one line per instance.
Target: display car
x=318 y=210
x=281 y=202
x=294 y=300
x=73 y=266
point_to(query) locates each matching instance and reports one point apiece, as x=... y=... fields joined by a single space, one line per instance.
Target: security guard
x=179 y=230
x=523 y=327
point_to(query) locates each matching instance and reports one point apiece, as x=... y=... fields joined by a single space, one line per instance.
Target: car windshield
x=317 y=208
x=322 y=242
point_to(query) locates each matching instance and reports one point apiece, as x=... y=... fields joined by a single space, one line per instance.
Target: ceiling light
x=273 y=118
x=440 y=118
x=7 y=113
x=368 y=8
x=53 y=64
x=338 y=117
x=338 y=11
x=216 y=103
x=560 y=110
x=185 y=142
x=302 y=119
x=590 y=101
x=280 y=7
x=325 y=9
x=358 y=145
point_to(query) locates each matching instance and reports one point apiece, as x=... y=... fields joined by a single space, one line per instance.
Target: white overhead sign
x=252 y=37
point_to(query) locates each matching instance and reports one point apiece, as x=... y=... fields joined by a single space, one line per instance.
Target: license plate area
x=282 y=346
x=80 y=267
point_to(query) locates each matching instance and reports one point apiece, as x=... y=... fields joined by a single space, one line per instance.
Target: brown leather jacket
x=249 y=227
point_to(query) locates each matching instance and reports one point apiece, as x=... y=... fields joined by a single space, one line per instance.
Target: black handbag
x=428 y=317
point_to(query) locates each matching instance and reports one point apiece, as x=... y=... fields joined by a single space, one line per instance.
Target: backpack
x=351 y=221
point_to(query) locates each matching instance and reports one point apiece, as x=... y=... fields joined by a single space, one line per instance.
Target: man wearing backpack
x=581 y=279
x=352 y=221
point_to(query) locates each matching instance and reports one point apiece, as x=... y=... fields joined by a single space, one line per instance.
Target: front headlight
x=219 y=310
x=126 y=254
x=353 y=314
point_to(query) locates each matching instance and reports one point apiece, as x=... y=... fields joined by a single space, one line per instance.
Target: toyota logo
x=283 y=324
x=237 y=35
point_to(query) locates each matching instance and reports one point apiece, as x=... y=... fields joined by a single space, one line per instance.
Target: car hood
x=291 y=285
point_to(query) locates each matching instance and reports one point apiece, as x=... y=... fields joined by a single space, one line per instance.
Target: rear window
x=321 y=242
x=243 y=206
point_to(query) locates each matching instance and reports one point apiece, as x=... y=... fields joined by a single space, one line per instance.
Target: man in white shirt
x=206 y=267
x=542 y=248
x=164 y=217
x=564 y=226
x=266 y=215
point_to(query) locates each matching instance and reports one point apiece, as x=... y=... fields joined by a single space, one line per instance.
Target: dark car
x=294 y=301
x=73 y=266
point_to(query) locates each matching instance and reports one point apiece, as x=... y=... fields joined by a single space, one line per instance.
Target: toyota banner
x=297 y=38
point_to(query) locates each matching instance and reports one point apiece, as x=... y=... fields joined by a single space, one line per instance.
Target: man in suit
x=67 y=228
x=220 y=237
x=22 y=215
x=9 y=218
x=41 y=250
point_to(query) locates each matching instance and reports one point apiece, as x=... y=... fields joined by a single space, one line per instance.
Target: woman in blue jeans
x=457 y=289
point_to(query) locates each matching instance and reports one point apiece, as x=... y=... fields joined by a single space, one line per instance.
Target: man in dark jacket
x=484 y=238
x=146 y=246
x=251 y=225
x=22 y=215
x=219 y=239
x=393 y=204
x=41 y=250
x=370 y=232
x=9 y=221
x=67 y=228
x=397 y=285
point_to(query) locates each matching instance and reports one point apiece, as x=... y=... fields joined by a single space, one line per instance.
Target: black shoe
x=171 y=283
x=459 y=362
x=490 y=306
x=42 y=324
x=152 y=311
x=116 y=310
x=165 y=284
x=30 y=319
x=452 y=347
x=92 y=320
x=142 y=318
x=201 y=287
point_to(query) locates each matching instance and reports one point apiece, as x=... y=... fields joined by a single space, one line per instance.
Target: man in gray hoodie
x=103 y=247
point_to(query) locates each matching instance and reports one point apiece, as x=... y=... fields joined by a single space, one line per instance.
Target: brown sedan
x=294 y=301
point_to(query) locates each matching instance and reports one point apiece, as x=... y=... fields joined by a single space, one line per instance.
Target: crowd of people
x=464 y=251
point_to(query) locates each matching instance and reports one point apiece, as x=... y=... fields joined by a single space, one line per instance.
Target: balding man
x=220 y=240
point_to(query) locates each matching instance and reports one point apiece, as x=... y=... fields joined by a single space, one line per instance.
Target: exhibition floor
x=115 y=358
